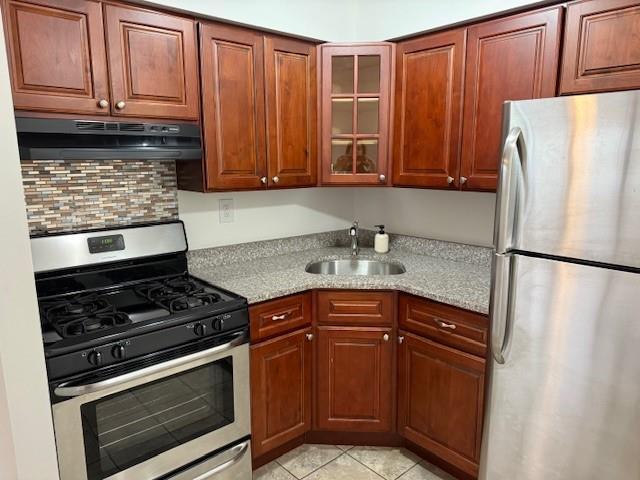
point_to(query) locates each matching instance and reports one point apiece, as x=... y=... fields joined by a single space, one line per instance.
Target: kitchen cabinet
x=601 y=46
x=57 y=59
x=356 y=82
x=141 y=63
x=512 y=58
x=153 y=63
x=428 y=114
x=440 y=400
x=280 y=390
x=291 y=105
x=354 y=379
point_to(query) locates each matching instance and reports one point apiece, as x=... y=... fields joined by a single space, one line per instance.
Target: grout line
x=322 y=466
x=395 y=478
x=312 y=471
x=366 y=466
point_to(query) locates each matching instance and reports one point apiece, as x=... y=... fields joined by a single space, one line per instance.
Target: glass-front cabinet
x=356 y=109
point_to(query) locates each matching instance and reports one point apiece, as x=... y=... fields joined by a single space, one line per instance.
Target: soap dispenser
x=381 y=241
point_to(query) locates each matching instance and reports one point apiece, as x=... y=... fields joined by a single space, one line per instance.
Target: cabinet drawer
x=355 y=308
x=448 y=325
x=275 y=317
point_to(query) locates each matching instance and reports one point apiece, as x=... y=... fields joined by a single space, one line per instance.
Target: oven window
x=131 y=426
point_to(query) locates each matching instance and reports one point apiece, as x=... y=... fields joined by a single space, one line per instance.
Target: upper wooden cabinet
x=152 y=63
x=291 y=105
x=513 y=58
x=428 y=113
x=233 y=107
x=58 y=61
x=56 y=54
x=601 y=46
x=356 y=105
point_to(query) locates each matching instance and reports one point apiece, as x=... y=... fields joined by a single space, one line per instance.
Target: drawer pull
x=280 y=317
x=444 y=324
x=309 y=336
x=400 y=339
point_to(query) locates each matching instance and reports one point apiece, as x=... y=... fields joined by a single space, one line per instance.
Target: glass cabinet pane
x=341 y=115
x=342 y=74
x=367 y=156
x=368 y=115
x=341 y=156
x=369 y=74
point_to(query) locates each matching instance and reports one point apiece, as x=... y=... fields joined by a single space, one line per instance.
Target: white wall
x=264 y=215
x=463 y=217
x=27 y=449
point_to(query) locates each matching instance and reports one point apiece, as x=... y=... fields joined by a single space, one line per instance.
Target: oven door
x=150 y=421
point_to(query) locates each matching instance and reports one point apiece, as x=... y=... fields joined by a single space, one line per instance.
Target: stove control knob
x=200 y=329
x=118 y=352
x=218 y=324
x=95 y=358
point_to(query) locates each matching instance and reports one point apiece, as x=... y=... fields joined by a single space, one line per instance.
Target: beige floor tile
x=388 y=462
x=306 y=458
x=426 y=471
x=343 y=468
x=272 y=471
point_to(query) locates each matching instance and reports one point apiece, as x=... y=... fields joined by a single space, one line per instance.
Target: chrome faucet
x=353 y=233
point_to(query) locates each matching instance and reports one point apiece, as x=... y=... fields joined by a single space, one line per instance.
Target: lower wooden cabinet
x=280 y=390
x=354 y=379
x=440 y=400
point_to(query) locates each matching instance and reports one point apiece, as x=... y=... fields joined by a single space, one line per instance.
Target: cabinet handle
x=450 y=180
x=120 y=105
x=263 y=180
x=276 y=179
x=463 y=180
x=309 y=336
x=103 y=103
x=382 y=178
x=444 y=324
x=385 y=337
x=400 y=339
x=280 y=317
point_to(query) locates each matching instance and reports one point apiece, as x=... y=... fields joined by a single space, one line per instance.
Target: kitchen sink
x=355 y=266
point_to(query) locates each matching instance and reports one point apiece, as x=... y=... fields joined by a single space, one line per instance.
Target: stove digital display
x=107 y=243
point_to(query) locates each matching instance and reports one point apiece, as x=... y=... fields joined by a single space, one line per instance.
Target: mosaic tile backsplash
x=66 y=195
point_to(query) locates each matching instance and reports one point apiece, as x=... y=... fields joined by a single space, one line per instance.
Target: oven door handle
x=237 y=451
x=66 y=390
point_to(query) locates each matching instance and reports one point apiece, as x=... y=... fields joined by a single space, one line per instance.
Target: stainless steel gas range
x=148 y=366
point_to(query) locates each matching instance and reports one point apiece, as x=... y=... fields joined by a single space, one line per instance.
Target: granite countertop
x=459 y=283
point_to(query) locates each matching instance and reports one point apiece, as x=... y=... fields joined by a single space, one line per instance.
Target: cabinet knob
x=102 y=103
x=382 y=177
x=120 y=105
x=276 y=179
x=400 y=339
x=385 y=337
x=309 y=336
x=263 y=180
x=450 y=180
x=463 y=180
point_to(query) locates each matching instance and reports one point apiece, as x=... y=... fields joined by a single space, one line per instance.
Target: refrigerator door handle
x=510 y=190
x=501 y=306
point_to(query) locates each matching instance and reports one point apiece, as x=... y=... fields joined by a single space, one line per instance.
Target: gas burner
x=177 y=294
x=82 y=314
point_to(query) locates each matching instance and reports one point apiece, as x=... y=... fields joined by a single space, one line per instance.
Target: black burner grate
x=177 y=294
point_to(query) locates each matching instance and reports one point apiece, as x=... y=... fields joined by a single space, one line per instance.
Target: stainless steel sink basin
x=355 y=266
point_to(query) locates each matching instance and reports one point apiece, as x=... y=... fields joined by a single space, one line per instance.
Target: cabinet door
x=428 y=121
x=56 y=56
x=601 y=46
x=356 y=105
x=280 y=390
x=290 y=72
x=233 y=107
x=514 y=58
x=440 y=400
x=354 y=379
x=152 y=63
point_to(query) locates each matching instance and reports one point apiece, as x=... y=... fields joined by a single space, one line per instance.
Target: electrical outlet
x=226 y=210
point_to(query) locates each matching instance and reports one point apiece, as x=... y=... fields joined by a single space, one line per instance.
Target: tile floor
x=337 y=462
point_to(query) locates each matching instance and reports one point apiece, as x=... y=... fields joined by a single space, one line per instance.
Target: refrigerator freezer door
x=565 y=404
x=578 y=195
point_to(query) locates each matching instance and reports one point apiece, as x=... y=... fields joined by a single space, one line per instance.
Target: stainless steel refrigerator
x=564 y=395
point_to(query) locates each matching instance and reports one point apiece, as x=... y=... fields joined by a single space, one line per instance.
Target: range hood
x=64 y=139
